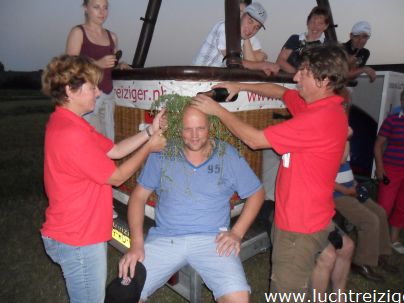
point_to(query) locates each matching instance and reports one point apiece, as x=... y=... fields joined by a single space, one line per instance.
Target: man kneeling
x=193 y=213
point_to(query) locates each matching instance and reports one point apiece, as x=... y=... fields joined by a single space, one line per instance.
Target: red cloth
x=315 y=138
x=391 y=196
x=76 y=171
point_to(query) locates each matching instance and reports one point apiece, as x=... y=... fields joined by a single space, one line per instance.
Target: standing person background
x=251 y=52
x=79 y=172
x=311 y=144
x=358 y=54
x=213 y=49
x=289 y=57
x=92 y=40
x=389 y=158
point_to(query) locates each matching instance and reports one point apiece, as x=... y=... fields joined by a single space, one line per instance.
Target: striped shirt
x=344 y=177
x=393 y=129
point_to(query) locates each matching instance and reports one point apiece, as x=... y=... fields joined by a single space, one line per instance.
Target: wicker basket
x=127 y=122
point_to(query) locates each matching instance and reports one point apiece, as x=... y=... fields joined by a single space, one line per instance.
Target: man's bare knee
x=326 y=259
x=235 y=297
x=347 y=249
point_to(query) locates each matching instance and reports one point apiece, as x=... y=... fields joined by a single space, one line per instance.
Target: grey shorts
x=164 y=256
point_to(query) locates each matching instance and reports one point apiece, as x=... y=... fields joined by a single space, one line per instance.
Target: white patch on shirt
x=286 y=160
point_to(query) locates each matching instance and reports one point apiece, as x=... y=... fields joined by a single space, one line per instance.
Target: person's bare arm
x=251 y=136
x=356 y=72
x=73 y=47
x=267 y=67
x=229 y=241
x=248 y=52
x=253 y=54
x=378 y=152
x=348 y=191
x=130 y=166
x=128 y=145
x=264 y=89
x=260 y=55
x=136 y=204
x=255 y=61
x=282 y=61
x=74 y=41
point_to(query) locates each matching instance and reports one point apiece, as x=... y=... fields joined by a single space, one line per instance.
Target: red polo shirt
x=312 y=144
x=76 y=171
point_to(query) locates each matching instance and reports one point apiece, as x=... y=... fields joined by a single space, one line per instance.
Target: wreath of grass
x=175 y=105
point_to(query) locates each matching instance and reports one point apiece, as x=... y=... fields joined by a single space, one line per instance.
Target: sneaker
x=398 y=247
x=114 y=214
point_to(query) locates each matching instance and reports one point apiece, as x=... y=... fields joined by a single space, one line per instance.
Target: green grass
x=27 y=274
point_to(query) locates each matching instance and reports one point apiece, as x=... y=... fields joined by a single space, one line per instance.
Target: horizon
x=29 y=40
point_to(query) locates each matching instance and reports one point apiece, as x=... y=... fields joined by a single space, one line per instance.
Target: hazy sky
x=33 y=31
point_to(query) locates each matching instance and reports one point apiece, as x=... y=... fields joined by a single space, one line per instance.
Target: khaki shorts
x=293 y=258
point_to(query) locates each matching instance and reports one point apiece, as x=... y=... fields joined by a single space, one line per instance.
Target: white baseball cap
x=361 y=27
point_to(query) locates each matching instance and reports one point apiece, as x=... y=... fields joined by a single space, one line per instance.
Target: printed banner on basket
x=142 y=93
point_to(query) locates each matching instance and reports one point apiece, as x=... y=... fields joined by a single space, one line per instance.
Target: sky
x=34 y=31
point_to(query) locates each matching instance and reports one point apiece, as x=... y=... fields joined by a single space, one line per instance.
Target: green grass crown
x=175 y=106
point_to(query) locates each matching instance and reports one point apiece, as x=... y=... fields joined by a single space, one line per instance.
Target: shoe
x=386 y=266
x=366 y=272
x=114 y=214
x=398 y=247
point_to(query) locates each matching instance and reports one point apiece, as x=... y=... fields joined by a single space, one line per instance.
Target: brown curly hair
x=327 y=61
x=72 y=71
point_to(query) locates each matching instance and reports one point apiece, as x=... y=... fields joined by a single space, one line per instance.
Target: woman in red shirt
x=79 y=173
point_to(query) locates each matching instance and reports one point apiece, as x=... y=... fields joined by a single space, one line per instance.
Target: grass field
x=27 y=274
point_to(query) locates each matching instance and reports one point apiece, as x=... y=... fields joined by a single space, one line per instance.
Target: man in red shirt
x=311 y=145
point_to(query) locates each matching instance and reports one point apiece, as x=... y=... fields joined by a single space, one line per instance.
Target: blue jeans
x=84 y=269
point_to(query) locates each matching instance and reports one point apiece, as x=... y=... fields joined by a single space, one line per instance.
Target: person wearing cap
x=289 y=57
x=249 y=52
x=359 y=55
x=213 y=50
